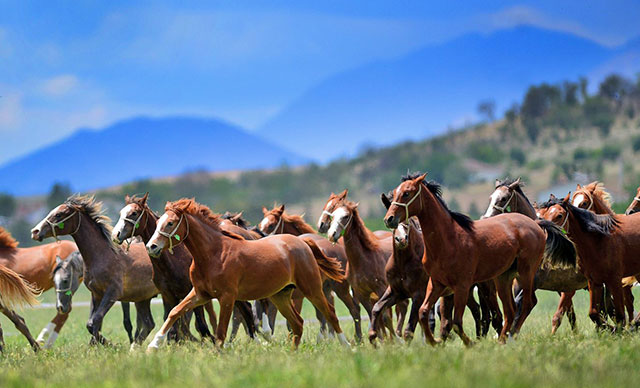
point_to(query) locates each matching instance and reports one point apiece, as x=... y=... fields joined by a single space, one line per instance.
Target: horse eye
x=133 y=214
x=170 y=223
x=405 y=194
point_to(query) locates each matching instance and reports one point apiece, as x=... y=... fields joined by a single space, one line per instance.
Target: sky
x=66 y=65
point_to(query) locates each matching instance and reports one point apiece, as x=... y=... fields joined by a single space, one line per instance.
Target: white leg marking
x=45 y=332
x=157 y=342
x=52 y=338
x=343 y=340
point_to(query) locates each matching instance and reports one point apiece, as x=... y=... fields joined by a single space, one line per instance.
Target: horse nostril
x=153 y=247
x=389 y=219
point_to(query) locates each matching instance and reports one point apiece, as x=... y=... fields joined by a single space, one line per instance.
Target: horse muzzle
x=391 y=222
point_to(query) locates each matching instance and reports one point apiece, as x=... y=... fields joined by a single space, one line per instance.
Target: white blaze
x=494 y=198
x=338 y=216
x=578 y=200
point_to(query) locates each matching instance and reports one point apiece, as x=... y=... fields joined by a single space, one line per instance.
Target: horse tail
x=558 y=249
x=15 y=291
x=328 y=265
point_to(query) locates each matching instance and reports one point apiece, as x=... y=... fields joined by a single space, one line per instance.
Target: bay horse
x=508 y=197
x=229 y=268
x=111 y=274
x=36 y=265
x=460 y=252
x=170 y=269
x=16 y=292
x=277 y=221
x=594 y=197
x=607 y=246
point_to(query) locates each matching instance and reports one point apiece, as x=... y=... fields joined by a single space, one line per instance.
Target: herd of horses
x=433 y=258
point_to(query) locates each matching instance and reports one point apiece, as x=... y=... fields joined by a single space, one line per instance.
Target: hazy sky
x=65 y=65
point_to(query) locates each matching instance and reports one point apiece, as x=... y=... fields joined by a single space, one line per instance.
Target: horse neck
x=358 y=240
x=291 y=227
x=600 y=206
x=204 y=243
x=149 y=227
x=92 y=244
x=438 y=229
x=523 y=206
x=412 y=252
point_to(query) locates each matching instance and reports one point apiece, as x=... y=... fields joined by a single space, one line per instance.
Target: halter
x=502 y=209
x=406 y=205
x=564 y=223
x=136 y=225
x=346 y=225
x=588 y=196
x=173 y=234
x=275 y=230
x=326 y=213
x=61 y=222
x=67 y=290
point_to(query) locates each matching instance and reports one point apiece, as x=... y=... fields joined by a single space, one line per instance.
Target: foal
x=229 y=268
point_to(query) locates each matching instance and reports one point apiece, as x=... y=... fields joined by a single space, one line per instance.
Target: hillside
x=141 y=148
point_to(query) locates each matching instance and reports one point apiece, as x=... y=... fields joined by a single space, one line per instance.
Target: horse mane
x=436 y=189
x=518 y=188
x=369 y=240
x=601 y=224
x=241 y=221
x=298 y=222
x=599 y=191
x=197 y=210
x=140 y=201
x=88 y=205
x=6 y=240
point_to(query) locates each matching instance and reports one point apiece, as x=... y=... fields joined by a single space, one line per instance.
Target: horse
x=16 y=292
x=508 y=197
x=229 y=268
x=111 y=274
x=607 y=245
x=595 y=198
x=460 y=252
x=334 y=201
x=634 y=206
x=170 y=270
x=36 y=265
x=277 y=221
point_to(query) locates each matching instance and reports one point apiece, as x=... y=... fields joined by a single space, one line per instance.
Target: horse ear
x=535 y=204
x=356 y=205
x=421 y=178
x=552 y=197
x=344 y=193
x=281 y=208
x=265 y=210
x=514 y=184
x=497 y=183
x=567 y=198
x=145 y=197
x=578 y=187
x=237 y=217
x=58 y=260
x=127 y=198
x=385 y=200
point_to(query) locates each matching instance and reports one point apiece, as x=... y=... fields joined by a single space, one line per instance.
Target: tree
x=615 y=87
x=539 y=100
x=487 y=108
x=584 y=83
x=7 y=205
x=570 y=92
x=512 y=113
x=58 y=194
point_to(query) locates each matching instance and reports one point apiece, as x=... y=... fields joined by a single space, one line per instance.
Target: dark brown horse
x=111 y=274
x=607 y=246
x=508 y=197
x=15 y=292
x=36 y=265
x=276 y=221
x=170 y=270
x=460 y=252
x=229 y=268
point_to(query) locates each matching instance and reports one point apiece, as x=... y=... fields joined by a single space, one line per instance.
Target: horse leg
x=388 y=299
x=213 y=319
x=19 y=323
x=323 y=333
x=49 y=333
x=282 y=301
x=201 y=323
x=326 y=289
x=460 y=298
x=628 y=301
x=615 y=288
x=564 y=307
x=236 y=321
x=503 y=286
x=126 y=320
x=191 y=301
x=474 y=307
x=401 y=313
x=94 y=324
x=342 y=291
x=244 y=308
x=1 y=340
x=272 y=312
x=483 y=296
x=317 y=299
x=434 y=290
x=145 y=319
x=227 y=302
x=416 y=302
x=446 y=315
x=595 y=303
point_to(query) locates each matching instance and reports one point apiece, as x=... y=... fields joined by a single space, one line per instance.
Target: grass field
x=585 y=358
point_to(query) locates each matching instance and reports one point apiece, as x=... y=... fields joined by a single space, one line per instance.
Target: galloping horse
x=15 y=292
x=276 y=221
x=509 y=197
x=170 y=270
x=460 y=252
x=229 y=268
x=110 y=273
x=36 y=265
x=607 y=246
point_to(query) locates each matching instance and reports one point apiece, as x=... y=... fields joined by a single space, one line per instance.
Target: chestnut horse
x=170 y=270
x=110 y=273
x=229 y=268
x=276 y=221
x=460 y=252
x=16 y=292
x=36 y=265
x=508 y=197
x=607 y=246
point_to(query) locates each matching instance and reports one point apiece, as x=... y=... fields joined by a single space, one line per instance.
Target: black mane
x=601 y=224
x=241 y=221
x=436 y=189
x=508 y=182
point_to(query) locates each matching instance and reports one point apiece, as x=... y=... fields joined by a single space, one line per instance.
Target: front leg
x=94 y=325
x=434 y=290
x=389 y=298
x=416 y=302
x=596 y=292
x=226 y=308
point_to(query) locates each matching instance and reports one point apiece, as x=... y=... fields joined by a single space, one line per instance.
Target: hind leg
x=145 y=319
x=389 y=298
x=474 y=307
x=126 y=320
x=628 y=301
x=565 y=306
x=460 y=298
x=401 y=313
x=503 y=286
x=18 y=321
x=446 y=316
x=596 y=292
x=312 y=290
x=282 y=301
x=245 y=311
x=201 y=323
x=416 y=302
x=618 y=303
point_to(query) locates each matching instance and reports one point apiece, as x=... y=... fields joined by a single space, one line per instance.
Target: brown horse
x=229 y=268
x=36 y=265
x=111 y=274
x=634 y=206
x=607 y=246
x=595 y=198
x=460 y=252
x=16 y=292
x=276 y=221
x=334 y=201
x=508 y=197
x=170 y=270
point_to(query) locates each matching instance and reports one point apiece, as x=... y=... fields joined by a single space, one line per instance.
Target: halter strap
x=173 y=233
x=637 y=199
x=564 y=223
x=53 y=226
x=406 y=205
x=502 y=209
x=136 y=225
x=65 y=290
x=588 y=195
x=346 y=225
x=275 y=230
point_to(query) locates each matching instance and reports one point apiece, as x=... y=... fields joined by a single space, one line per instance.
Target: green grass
x=585 y=358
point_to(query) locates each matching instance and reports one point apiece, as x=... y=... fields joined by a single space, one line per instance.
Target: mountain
x=422 y=93
x=141 y=148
